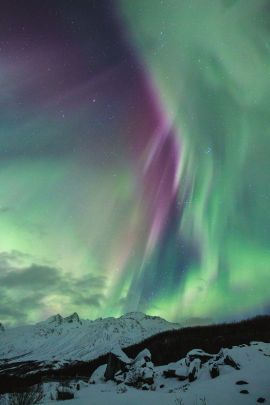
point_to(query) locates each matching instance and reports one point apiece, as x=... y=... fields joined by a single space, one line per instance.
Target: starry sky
x=134 y=158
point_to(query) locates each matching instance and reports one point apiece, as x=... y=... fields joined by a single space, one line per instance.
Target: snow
x=198 y=354
x=98 y=375
x=144 y=354
x=254 y=361
x=121 y=355
x=65 y=339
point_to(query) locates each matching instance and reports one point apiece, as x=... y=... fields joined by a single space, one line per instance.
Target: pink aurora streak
x=157 y=156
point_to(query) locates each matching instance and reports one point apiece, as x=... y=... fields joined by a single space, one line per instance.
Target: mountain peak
x=55 y=319
x=72 y=318
x=59 y=319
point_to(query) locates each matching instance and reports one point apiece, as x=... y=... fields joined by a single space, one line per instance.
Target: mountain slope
x=71 y=338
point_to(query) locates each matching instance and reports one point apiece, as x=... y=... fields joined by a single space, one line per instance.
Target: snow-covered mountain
x=70 y=338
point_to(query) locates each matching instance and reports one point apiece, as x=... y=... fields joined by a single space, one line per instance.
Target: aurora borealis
x=134 y=158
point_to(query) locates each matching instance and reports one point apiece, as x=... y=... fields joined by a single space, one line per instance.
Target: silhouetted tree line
x=173 y=345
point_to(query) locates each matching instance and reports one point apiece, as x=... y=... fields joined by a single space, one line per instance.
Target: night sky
x=134 y=158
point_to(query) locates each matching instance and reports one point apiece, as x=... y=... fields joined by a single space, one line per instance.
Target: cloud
x=25 y=290
x=13 y=257
x=34 y=276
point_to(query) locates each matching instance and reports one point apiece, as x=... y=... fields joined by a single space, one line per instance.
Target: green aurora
x=211 y=62
x=77 y=217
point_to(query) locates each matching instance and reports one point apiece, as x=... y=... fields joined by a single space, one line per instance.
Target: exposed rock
x=198 y=354
x=140 y=372
x=64 y=393
x=138 y=375
x=124 y=370
x=224 y=358
x=169 y=373
x=118 y=360
x=214 y=370
x=62 y=396
x=194 y=369
x=218 y=358
x=72 y=318
x=261 y=400
x=182 y=377
x=120 y=377
x=241 y=382
x=228 y=360
x=2 y=329
x=179 y=371
x=58 y=319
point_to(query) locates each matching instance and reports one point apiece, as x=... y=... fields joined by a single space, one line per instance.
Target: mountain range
x=71 y=338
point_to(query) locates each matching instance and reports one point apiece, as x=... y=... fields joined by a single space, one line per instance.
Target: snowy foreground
x=247 y=370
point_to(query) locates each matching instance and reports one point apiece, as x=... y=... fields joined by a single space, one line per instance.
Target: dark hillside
x=170 y=346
